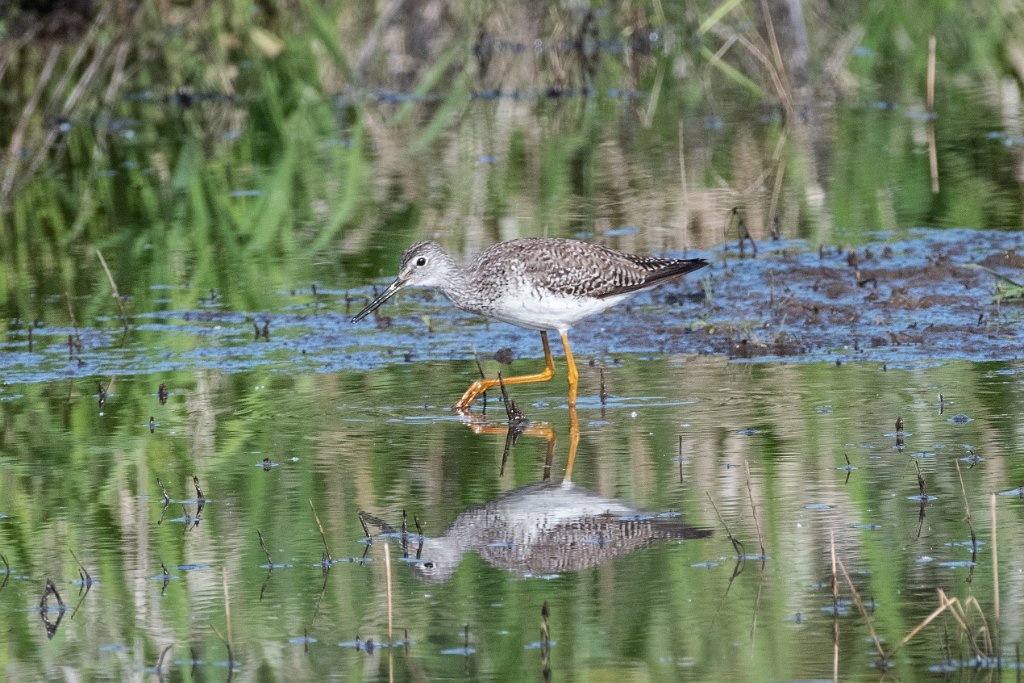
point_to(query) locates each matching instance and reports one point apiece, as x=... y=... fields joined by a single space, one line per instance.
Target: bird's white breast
x=551 y=311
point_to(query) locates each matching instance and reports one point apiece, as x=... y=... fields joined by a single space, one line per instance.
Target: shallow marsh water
x=247 y=218
x=677 y=432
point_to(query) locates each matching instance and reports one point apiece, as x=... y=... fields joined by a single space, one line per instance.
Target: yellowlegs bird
x=539 y=283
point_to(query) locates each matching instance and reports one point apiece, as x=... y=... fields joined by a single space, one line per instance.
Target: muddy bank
x=922 y=298
x=891 y=301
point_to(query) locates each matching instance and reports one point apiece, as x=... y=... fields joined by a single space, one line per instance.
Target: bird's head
x=424 y=264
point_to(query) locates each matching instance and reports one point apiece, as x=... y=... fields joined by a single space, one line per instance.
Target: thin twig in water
x=985 y=631
x=479 y=366
x=511 y=409
x=163 y=489
x=863 y=612
x=328 y=558
x=959 y=613
x=753 y=509
x=387 y=574
x=835 y=608
x=83 y=573
x=231 y=657
x=922 y=496
x=967 y=509
x=943 y=606
x=920 y=482
x=74 y=323
x=757 y=604
x=113 y=286
x=545 y=631
x=263 y=544
x=227 y=610
x=545 y=642
x=51 y=589
x=995 y=577
x=480 y=369
x=159 y=668
x=736 y=545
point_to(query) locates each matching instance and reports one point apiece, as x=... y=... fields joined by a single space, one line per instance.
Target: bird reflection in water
x=547 y=527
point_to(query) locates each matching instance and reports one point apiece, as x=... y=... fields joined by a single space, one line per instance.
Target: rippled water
x=677 y=433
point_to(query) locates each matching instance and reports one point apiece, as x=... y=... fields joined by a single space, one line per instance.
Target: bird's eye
x=421 y=261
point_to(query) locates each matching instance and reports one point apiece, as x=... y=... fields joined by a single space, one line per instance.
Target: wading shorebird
x=538 y=283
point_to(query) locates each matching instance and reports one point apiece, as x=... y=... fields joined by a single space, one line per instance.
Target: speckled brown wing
x=590 y=270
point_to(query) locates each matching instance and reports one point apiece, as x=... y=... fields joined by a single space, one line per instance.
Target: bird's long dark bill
x=379 y=301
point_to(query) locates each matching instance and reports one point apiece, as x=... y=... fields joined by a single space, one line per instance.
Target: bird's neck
x=458 y=288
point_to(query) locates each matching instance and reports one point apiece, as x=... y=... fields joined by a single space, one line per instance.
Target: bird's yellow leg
x=574 y=441
x=481 y=385
x=574 y=375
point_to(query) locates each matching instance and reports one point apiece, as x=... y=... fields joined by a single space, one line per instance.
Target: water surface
x=252 y=176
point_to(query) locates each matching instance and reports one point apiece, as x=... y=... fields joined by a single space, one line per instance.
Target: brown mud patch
x=920 y=298
x=915 y=299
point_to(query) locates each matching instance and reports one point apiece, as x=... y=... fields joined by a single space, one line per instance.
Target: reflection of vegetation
x=73 y=478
